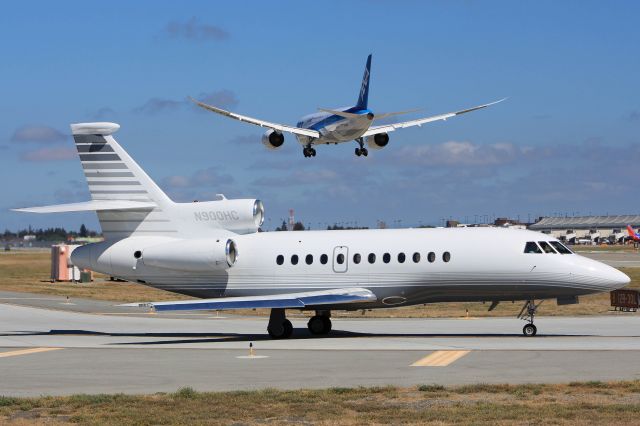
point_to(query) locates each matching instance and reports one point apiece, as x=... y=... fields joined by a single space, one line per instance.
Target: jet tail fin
x=631 y=232
x=363 y=98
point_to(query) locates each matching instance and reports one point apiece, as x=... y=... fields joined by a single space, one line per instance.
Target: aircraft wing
x=261 y=123
x=288 y=301
x=374 y=130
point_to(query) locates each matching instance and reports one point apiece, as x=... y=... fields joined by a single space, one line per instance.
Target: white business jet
x=212 y=250
x=334 y=126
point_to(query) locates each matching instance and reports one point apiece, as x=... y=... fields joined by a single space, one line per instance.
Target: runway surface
x=617 y=259
x=51 y=346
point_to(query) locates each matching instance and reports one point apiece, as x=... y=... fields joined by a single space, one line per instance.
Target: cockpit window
x=560 y=247
x=532 y=247
x=546 y=247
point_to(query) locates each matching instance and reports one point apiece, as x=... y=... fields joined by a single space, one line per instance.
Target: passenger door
x=340 y=259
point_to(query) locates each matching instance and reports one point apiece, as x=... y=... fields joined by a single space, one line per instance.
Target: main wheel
x=282 y=332
x=365 y=151
x=358 y=152
x=319 y=324
x=313 y=152
x=288 y=329
x=529 y=330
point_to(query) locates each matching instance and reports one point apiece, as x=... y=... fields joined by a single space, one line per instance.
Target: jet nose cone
x=619 y=279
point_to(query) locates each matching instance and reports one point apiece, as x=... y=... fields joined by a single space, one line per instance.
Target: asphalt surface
x=51 y=346
x=616 y=259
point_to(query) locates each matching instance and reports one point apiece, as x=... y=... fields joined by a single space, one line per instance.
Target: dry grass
x=593 y=403
x=29 y=272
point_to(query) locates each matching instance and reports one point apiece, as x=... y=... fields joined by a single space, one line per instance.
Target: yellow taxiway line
x=26 y=352
x=440 y=359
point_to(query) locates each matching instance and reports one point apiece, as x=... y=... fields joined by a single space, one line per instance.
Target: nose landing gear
x=528 y=313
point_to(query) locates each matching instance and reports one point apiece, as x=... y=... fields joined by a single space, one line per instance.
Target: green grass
x=576 y=403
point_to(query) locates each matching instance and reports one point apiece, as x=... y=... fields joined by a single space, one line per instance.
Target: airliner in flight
x=213 y=251
x=334 y=126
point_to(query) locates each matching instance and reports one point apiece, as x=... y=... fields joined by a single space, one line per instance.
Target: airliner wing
x=284 y=301
x=374 y=130
x=261 y=123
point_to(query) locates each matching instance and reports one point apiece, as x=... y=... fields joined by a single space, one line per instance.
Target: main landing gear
x=309 y=151
x=361 y=150
x=320 y=323
x=528 y=313
x=279 y=326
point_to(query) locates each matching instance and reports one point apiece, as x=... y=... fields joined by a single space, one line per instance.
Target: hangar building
x=585 y=229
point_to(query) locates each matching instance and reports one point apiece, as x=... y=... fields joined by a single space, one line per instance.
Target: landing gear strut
x=309 y=151
x=320 y=323
x=528 y=313
x=279 y=326
x=361 y=150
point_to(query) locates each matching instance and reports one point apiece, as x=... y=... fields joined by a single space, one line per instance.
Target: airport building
x=587 y=229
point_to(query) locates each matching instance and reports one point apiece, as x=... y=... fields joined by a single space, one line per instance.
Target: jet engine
x=378 y=141
x=242 y=216
x=192 y=255
x=272 y=139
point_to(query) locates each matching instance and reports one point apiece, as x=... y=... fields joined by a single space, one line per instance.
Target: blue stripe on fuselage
x=332 y=119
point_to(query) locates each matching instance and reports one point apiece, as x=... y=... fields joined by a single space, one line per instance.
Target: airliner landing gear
x=528 y=313
x=320 y=323
x=309 y=151
x=279 y=326
x=361 y=150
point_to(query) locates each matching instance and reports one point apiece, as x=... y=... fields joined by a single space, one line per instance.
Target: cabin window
x=401 y=257
x=340 y=259
x=386 y=258
x=560 y=247
x=309 y=259
x=431 y=257
x=546 y=247
x=324 y=259
x=294 y=259
x=280 y=259
x=357 y=258
x=372 y=258
x=446 y=256
x=532 y=247
x=416 y=257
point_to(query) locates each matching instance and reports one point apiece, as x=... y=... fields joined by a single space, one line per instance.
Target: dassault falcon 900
x=334 y=126
x=213 y=251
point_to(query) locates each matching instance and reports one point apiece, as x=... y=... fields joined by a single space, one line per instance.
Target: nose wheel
x=361 y=150
x=309 y=151
x=528 y=313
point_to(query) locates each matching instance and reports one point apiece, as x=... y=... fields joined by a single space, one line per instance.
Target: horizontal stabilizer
x=283 y=301
x=94 y=205
x=340 y=113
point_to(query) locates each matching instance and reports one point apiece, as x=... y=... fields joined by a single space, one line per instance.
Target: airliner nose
x=619 y=279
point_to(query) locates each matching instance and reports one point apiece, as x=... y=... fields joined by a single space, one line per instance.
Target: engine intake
x=378 y=141
x=273 y=139
x=192 y=255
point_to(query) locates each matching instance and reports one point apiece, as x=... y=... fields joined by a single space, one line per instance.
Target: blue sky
x=567 y=140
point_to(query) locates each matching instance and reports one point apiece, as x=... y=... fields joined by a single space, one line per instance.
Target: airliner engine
x=272 y=139
x=378 y=141
x=242 y=216
x=192 y=255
